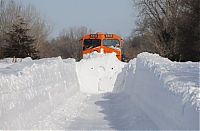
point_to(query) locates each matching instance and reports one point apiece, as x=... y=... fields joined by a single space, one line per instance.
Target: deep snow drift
x=30 y=90
x=97 y=72
x=168 y=92
x=149 y=92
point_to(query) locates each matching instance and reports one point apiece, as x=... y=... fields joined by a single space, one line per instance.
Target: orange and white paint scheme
x=101 y=42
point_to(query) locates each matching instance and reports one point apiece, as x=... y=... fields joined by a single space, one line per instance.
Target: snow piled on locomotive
x=98 y=72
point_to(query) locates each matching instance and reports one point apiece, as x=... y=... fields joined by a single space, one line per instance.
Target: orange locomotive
x=99 y=42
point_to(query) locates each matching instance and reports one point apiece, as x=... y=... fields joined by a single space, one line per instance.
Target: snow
x=99 y=92
x=97 y=73
x=30 y=90
x=181 y=79
x=168 y=92
x=111 y=112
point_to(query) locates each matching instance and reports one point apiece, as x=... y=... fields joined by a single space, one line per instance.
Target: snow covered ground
x=99 y=92
x=168 y=92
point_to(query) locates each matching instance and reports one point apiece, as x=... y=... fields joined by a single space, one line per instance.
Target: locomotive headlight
x=102 y=51
x=108 y=35
x=93 y=35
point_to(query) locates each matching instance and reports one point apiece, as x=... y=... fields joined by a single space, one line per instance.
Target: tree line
x=170 y=28
x=23 y=33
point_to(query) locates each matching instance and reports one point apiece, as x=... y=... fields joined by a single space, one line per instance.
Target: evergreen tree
x=19 y=42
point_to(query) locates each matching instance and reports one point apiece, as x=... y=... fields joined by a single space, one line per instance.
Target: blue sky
x=112 y=16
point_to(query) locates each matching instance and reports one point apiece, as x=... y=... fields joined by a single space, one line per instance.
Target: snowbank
x=29 y=90
x=98 y=72
x=168 y=92
x=15 y=60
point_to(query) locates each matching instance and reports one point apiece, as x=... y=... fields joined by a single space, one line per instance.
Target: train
x=102 y=42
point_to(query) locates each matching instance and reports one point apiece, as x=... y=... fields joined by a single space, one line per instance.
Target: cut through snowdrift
x=168 y=92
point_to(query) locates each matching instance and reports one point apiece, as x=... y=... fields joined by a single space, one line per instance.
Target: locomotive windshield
x=111 y=43
x=91 y=43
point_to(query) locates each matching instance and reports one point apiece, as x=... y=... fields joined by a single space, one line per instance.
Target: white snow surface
x=99 y=92
x=168 y=92
x=31 y=90
x=98 y=72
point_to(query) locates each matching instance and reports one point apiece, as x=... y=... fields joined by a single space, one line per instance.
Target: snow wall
x=168 y=92
x=30 y=90
x=97 y=72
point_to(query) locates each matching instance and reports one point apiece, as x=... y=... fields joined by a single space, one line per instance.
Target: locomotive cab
x=108 y=43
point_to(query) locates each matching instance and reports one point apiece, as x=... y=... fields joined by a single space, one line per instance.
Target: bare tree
x=160 y=22
x=68 y=42
x=48 y=49
x=189 y=30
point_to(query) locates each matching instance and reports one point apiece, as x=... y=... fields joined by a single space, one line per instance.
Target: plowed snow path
x=62 y=116
x=97 y=111
x=92 y=117
x=110 y=111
